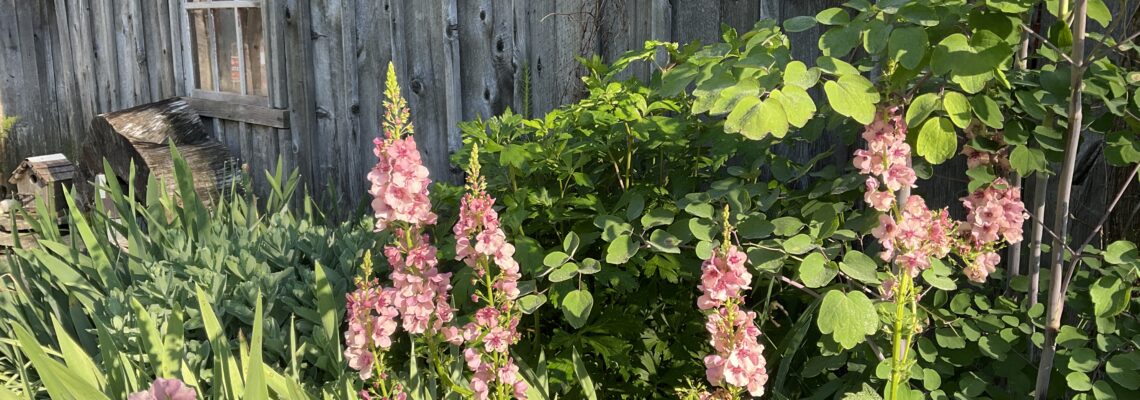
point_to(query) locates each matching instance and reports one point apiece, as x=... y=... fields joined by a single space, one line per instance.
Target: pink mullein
x=419 y=296
x=166 y=389
x=482 y=245
x=911 y=234
x=738 y=360
x=371 y=324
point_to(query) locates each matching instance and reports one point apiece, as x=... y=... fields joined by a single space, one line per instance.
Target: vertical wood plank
x=299 y=78
x=425 y=82
x=107 y=73
x=274 y=14
x=543 y=59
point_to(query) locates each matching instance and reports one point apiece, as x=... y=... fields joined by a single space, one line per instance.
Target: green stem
x=898 y=346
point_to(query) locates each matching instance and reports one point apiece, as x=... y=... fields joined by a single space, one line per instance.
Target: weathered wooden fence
x=64 y=61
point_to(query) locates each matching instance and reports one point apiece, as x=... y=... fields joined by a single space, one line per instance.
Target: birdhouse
x=43 y=177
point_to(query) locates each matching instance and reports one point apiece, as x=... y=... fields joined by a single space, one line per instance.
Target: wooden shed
x=43 y=177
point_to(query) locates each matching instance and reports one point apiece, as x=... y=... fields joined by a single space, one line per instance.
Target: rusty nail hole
x=499 y=45
x=417 y=86
x=486 y=94
x=482 y=15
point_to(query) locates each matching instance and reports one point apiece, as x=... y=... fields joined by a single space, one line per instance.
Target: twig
x=1076 y=258
x=1060 y=52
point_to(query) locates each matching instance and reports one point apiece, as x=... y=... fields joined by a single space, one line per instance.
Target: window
x=227 y=45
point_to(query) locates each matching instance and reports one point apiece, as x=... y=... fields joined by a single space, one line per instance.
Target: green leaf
x=1078 y=381
x=1084 y=360
x=152 y=342
x=563 y=273
x=327 y=307
x=799 y=24
x=531 y=302
x=621 y=249
x=847 y=317
x=798 y=244
x=703 y=210
x=590 y=266
x=1026 y=160
x=787 y=226
x=931 y=380
x=860 y=267
x=576 y=307
x=921 y=108
x=815 y=271
x=987 y=111
x=255 y=384
x=570 y=243
x=876 y=35
x=663 y=241
x=1097 y=11
x=1110 y=296
x=733 y=95
x=755 y=227
x=1120 y=252
x=839 y=41
x=937 y=141
x=908 y=46
x=853 y=96
x=868 y=393
x=656 y=217
x=584 y=380
x=228 y=381
x=994 y=347
x=833 y=16
x=78 y=362
x=676 y=79
x=555 y=259
x=755 y=119
x=56 y=378
x=939 y=281
x=799 y=75
x=796 y=103
x=958 y=108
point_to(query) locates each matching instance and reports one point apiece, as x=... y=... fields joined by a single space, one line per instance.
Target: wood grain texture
x=62 y=62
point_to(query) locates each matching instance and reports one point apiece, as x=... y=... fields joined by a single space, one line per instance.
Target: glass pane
x=225 y=32
x=253 y=34
x=200 y=49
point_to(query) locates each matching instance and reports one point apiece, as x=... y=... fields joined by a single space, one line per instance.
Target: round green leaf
x=930 y=379
x=571 y=242
x=1110 y=296
x=701 y=228
x=853 y=96
x=620 y=250
x=656 y=217
x=1083 y=359
x=958 y=108
x=1078 y=381
x=921 y=107
x=815 y=271
x=908 y=46
x=787 y=226
x=531 y=302
x=555 y=259
x=860 y=267
x=798 y=244
x=847 y=317
x=987 y=111
x=796 y=73
x=799 y=24
x=875 y=36
x=590 y=266
x=563 y=273
x=796 y=103
x=663 y=241
x=576 y=307
x=1026 y=160
x=833 y=16
x=937 y=141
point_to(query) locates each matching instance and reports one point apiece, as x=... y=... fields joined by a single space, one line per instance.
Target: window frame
x=192 y=68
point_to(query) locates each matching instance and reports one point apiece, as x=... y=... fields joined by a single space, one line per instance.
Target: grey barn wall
x=64 y=61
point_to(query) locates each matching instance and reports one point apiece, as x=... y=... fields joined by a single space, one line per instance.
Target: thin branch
x=1060 y=52
x=1076 y=258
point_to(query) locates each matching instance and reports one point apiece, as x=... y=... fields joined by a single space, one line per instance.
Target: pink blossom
x=483 y=246
x=166 y=389
x=982 y=266
x=371 y=324
x=400 y=184
x=738 y=358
